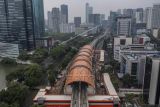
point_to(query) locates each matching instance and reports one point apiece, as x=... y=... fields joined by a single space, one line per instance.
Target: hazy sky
x=77 y=7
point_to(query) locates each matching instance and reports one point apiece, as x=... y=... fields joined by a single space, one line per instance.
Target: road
x=99 y=39
x=81 y=34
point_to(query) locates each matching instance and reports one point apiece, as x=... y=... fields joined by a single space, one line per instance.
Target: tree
x=14 y=95
x=39 y=55
x=8 y=61
x=23 y=56
x=52 y=74
x=33 y=75
x=127 y=80
x=18 y=75
x=68 y=57
x=58 y=52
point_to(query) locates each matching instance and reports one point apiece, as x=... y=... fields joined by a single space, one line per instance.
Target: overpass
x=81 y=34
x=100 y=38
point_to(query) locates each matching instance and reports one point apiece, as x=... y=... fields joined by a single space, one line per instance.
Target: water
x=4 y=71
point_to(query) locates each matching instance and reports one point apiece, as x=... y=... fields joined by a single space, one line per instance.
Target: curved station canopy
x=80 y=69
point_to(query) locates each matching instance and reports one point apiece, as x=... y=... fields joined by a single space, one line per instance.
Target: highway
x=100 y=39
x=81 y=34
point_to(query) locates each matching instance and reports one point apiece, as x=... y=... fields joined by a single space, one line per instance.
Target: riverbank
x=4 y=71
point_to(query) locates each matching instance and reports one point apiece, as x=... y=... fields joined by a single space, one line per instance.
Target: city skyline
x=103 y=7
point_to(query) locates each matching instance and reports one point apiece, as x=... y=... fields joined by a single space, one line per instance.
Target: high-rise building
x=112 y=21
x=124 y=25
x=128 y=12
x=77 y=21
x=139 y=15
x=156 y=16
x=56 y=20
x=95 y=19
x=148 y=17
x=151 y=86
x=102 y=16
x=64 y=13
x=21 y=21
x=38 y=18
x=50 y=21
x=89 y=10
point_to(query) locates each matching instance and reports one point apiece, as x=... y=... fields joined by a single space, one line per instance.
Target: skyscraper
x=139 y=15
x=56 y=20
x=38 y=18
x=89 y=10
x=21 y=21
x=128 y=12
x=95 y=19
x=148 y=17
x=50 y=21
x=156 y=16
x=112 y=21
x=64 y=13
x=77 y=21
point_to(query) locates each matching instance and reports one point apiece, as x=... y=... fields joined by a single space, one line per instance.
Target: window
x=122 y=42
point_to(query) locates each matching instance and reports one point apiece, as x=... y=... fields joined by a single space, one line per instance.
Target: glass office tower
x=21 y=21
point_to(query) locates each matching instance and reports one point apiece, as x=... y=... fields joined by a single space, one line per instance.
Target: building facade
x=38 y=18
x=151 y=87
x=50 y=21
x=89 y=10
x=20 y=23
x=95 y=19
x=67 y=28
x=119 y=42
x=124 y=26
x=139 y=15
x=56 y=20
x=156 y=16
x=64 y=13
x=77 y=21
x=148 y=17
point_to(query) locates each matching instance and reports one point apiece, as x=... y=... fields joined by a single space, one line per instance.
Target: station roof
x=81 y=63
x=80 y=74
x=81 y=67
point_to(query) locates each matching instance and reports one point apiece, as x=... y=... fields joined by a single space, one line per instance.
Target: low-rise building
x=120 y=42
x=141 y=39
x=46 y=42
x=156 y=33
x=67 y=28
x=132 y=60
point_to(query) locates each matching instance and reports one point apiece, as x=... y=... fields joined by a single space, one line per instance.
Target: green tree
x=127 y=80
x=39 y=55
x=58 y=52
x=18 y=75
x=23 y=56
x=8 y=61
x=33 y=75
x=52 y=75
x=14 y=95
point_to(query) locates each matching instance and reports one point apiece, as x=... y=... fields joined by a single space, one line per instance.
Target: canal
x=4 y=71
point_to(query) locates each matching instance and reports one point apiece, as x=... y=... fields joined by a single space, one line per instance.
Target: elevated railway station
x=80 y=85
